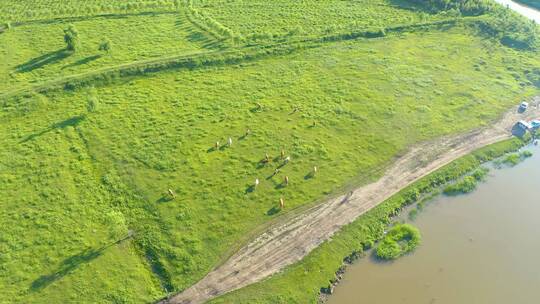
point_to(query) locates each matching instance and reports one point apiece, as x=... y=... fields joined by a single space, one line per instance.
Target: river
x=526 y=11
x=480 y=248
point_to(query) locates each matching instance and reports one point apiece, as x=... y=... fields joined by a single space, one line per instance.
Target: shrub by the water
x=401 y=239
x=515 y=158
x=468 y=183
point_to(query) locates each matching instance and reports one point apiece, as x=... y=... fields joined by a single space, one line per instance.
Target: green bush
x=401 y=239
x=71 y=38
x=466 y=185
x=515 y=158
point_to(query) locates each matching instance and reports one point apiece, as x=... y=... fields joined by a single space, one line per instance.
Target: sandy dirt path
x=290 y=241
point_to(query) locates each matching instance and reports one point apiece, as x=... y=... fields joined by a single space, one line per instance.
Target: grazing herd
x=266 y=160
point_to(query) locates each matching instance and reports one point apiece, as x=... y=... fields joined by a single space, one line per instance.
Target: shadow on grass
x=73 y=121
x=72 y=263
x=43 y=60
x=262 y=164
x=82 y=61
x=164 y=199
x=280 y=186
x=273 y=210
x=250 y=189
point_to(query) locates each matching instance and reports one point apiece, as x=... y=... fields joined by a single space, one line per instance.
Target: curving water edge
x=524 y=10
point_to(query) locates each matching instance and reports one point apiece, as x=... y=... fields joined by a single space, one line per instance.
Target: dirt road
x=288 y=242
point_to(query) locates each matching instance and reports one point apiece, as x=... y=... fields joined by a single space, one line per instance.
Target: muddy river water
x=481 y=248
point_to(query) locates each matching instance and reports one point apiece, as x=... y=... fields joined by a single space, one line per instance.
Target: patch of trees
x=511 y=29
x=71 y=38
x=464 y=7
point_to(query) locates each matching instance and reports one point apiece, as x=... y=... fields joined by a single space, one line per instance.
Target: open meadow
x=125 y=191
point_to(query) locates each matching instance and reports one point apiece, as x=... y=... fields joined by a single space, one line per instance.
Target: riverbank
x=484 y=239
x=289 y=242
x=426 y=189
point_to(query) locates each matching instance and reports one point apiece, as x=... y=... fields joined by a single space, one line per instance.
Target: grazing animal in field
x=281 y=203
x=171 y=193
x=230 y=142
x=287 y=159
x=248 y=131
x=282 y=153
x=315 y=169
x=286 y=180
x=256 y=182
x=217 y=145
x=276 y=172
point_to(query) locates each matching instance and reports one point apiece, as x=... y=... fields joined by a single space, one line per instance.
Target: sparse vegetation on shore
x=514 y=158
x=467 y=184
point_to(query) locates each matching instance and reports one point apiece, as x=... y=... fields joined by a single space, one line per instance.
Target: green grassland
x=85 y=214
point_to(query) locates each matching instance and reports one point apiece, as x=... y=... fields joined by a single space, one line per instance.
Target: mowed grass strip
x=347 y=108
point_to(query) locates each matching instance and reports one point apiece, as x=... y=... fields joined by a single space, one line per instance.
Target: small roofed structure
x=524 y=125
